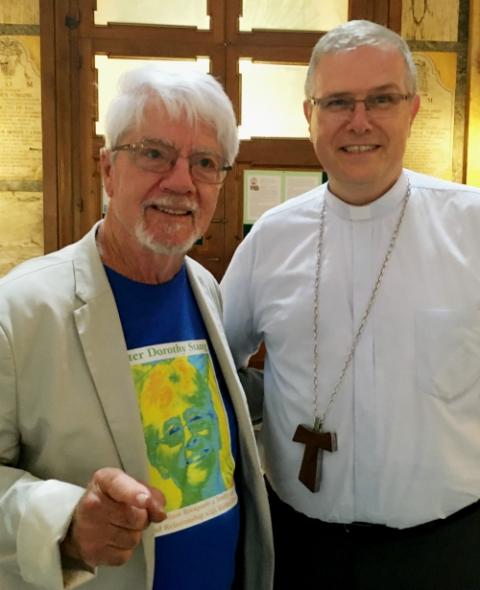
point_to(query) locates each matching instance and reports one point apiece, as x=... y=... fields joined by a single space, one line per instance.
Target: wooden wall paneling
x=66 y=14
x=381 y=13
x=231 y=20
x=89 y=209
x=359 y=9
x=395 y=15
x=364 y=9
x=211 y=251
x=86 y=16
x=87 y=194
x=287 y=153
x=232 y=189
x=233 y=185
x=276 y=52
x=384 y=12
x=49 y=136
x=233 y=211
x=137 y=47
x=281 y=39
x=174 y=35
x=217 y=11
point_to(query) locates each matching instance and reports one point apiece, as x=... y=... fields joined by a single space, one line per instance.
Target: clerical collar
x=384 y=205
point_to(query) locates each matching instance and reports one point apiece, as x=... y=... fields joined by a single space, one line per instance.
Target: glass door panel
x=110 y=69
x=272 y=100
x=187 y=13
x=293 y=15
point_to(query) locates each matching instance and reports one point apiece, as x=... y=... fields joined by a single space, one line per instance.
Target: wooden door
x=70 y=42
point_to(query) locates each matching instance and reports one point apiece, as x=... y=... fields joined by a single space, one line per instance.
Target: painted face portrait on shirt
x=182 y=430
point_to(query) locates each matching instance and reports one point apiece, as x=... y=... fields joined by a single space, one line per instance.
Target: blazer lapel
x=101 y=337
x=210 y=312
x=209 y=304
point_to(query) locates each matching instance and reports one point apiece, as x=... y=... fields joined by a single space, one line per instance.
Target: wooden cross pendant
x=315 y=442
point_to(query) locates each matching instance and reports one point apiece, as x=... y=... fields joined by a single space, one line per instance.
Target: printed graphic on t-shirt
x=186 y=431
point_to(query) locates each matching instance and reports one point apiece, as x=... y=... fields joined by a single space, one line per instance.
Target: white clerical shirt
x=407 y=416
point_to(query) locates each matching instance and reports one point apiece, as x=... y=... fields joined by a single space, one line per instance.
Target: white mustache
x=172 y=202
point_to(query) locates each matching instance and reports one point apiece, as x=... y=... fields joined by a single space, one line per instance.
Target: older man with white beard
x=97 y=341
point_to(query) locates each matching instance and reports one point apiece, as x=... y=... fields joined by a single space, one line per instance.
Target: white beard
x=145 y=240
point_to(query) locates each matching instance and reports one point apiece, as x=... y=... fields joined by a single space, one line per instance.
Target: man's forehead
x=157 y=123
x=365 y=68
x=157 y=113
x=364 y=52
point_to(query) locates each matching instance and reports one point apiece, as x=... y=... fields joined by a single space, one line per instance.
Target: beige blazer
x=68 y=407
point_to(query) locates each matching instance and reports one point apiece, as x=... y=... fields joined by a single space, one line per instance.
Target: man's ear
x=307 y=111
x=414 y=107
x=106 y=168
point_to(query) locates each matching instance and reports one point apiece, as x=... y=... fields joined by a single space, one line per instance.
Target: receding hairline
x=360 y=33
x=391 y=50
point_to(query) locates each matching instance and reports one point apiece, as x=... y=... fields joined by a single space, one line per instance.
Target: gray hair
x=360 y=33
x=190 y=95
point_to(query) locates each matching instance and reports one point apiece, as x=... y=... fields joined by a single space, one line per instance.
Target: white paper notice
x=263 y=190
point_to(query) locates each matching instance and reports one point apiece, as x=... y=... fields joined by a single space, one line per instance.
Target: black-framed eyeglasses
x=378 y=104
x=156 y=156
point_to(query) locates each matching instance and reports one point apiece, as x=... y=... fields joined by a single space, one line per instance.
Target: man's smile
x=357 y=149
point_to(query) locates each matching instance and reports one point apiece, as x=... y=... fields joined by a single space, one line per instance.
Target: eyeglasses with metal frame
x=153 y=155
x=384 y=102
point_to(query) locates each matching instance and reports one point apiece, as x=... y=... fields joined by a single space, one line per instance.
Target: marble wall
x=21 y=205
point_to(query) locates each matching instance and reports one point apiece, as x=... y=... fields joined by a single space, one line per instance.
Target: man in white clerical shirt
x=366 y=294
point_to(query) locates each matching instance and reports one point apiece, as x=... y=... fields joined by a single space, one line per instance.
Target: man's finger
x=120 y=487
x=156 y=505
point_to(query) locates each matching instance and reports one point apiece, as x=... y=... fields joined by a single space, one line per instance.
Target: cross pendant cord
x=314 y=439
x=320 y=420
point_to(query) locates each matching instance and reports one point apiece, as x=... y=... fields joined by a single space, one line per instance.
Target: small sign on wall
x=264 y=189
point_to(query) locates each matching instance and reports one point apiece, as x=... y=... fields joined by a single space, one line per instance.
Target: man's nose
x=179 y=177
x=359 y=117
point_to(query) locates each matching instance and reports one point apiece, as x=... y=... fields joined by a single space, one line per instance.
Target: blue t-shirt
x=190 y=432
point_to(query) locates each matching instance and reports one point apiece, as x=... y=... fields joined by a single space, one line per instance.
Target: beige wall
x=21 y=207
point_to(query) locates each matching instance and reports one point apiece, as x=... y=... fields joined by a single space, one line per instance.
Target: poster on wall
x=20 y=114
x=430 y=146
x=430 y=20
